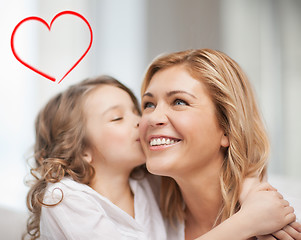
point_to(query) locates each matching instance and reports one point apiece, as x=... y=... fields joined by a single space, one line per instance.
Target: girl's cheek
x=142 y=126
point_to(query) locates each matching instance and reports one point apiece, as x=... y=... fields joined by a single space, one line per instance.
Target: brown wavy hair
x=60 y=139
x=238 y=116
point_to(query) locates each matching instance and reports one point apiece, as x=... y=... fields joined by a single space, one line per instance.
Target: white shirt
x=176 y=231
x=85 y=214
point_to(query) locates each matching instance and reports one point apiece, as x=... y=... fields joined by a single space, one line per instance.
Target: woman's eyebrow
x=179 y=91
x=148 y=94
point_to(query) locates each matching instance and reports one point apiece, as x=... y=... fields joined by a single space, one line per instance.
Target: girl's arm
x=262 y=212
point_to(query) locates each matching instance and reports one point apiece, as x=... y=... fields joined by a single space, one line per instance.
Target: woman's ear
x=87 y=155
x=225 y=140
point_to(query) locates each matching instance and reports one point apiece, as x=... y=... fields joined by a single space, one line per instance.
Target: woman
x=202 y=130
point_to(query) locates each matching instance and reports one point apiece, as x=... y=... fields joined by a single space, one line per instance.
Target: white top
x=85 y=214
x=176 y=231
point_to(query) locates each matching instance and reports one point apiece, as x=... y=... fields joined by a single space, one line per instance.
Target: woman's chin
x=158 y=169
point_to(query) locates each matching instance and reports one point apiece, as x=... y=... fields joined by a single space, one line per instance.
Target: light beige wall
x=175 y=25
x=59 y=54
x=291 y=78
x=263 y=36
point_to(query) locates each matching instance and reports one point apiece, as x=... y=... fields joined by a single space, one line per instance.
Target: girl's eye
x=117 y=119
x=179 y=102
x=148 y=105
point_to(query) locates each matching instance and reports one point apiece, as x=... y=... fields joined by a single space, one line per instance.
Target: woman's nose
x=158 y=117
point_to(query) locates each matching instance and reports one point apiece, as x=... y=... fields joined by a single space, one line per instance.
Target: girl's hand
x=291 y=231
x=265 y=209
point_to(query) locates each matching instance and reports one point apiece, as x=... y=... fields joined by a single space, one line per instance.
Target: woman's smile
x=162 y=142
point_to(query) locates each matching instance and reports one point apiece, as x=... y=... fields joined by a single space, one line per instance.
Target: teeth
x=161 y=141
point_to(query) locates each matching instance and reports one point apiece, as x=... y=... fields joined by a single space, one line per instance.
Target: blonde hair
x=238 y=116
x=60 y=142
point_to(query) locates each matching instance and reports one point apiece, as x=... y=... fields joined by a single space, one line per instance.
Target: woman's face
x=179 y=130
x=112 y=128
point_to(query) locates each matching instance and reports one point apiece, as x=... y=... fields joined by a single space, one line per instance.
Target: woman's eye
x=179 y=102
x=148 y=105
x=117 y=119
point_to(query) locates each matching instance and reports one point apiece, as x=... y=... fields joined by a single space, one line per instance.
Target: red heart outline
x=49 y=28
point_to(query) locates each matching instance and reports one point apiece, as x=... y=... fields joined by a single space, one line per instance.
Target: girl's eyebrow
x=170 y=93
x=110 y=109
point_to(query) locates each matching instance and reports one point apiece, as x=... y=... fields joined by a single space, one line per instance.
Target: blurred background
x=263 y=36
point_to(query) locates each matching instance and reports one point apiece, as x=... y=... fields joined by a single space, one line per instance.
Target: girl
x=87 y=145
x=201 y=129
x=88 y=181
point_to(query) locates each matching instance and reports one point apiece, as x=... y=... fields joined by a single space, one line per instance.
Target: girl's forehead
x=106 y=96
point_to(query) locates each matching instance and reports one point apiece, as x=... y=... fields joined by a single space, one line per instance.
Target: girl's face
x=179 y=130
x=112 y=128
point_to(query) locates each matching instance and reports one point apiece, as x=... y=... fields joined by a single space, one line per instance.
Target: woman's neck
x=115 y=187
x=202 y=196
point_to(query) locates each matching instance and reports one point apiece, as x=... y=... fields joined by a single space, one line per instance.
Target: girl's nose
x=137 y=120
